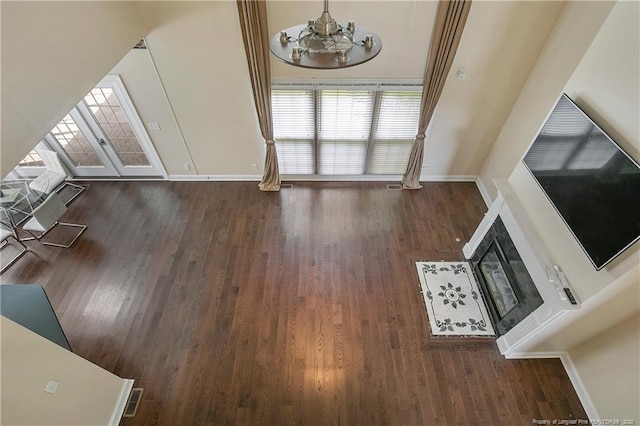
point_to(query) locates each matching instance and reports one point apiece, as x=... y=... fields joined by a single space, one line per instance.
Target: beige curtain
x=253 y=23
x=447 y=31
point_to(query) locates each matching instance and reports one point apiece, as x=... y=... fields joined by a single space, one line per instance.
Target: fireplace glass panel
x=497 y=280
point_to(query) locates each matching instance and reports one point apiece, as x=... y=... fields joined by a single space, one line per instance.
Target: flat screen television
x=592 y=183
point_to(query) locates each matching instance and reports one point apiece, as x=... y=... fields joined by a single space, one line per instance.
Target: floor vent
x=394 y=187
x=134 y=400
x=286 y=186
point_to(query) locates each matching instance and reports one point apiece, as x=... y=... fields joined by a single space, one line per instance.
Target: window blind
x=294 y=129
x=328 y=130
x=344 y=124
x=396 y=129
x=292 y=114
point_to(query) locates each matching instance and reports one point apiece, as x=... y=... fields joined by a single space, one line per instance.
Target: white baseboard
x=341 y=178
x=320 y=178
x=573 y=374
x=118 y=411
x=581 y=390
x=447 y=178
x=483 y=191
x=534 y=355
x=218 y=178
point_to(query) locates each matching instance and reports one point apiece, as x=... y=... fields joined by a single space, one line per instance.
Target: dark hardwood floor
x=233 y=306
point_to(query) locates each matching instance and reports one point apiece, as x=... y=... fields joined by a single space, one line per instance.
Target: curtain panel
x=253 y=23
x=447 y=32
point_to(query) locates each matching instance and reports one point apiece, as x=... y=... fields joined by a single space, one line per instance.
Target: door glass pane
x=32 y=159
x=70 y=137
x=106 y=109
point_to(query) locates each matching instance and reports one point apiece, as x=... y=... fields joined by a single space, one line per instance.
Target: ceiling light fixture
x=324 y=44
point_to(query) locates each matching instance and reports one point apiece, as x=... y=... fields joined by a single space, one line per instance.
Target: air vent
x=394 y=187
x=521 y=330
x=286 y=186
x=134 y=400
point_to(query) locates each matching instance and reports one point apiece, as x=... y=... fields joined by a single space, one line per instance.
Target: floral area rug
x=454 y=304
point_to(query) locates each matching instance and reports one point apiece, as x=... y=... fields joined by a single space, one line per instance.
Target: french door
x=103 y=136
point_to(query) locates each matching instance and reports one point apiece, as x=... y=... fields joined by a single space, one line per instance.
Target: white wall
x=86 y=395
x=604 y=82
x=571 y=37
x=609 y=367
x=395 y=22
x=198 y=51
x=500 y=44
x=144 y=86
x=199 y=54
x=53 y=53
x=207 y=82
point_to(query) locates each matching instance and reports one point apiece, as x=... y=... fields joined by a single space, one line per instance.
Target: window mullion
x=316 y=121
x=372 y=131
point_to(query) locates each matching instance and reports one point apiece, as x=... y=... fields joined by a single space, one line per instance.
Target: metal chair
x=47 y=216
x=54 y=177
x=5 y=234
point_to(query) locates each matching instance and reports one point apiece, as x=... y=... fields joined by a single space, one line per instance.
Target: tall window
x=345 y=130
x=293 y=129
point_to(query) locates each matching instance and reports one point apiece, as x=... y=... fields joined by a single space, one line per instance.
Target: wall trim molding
x=579 y=386
x=448 y=178
x=320 y=178
x=483 y=191
x=572 y=372
x=123 y=398
x=200 y=178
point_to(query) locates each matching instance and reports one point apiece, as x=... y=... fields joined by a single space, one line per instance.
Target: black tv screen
x=592 y=183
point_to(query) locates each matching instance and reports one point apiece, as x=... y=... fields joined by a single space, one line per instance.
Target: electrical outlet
x=254 y=166
x=187 y=166
x=154 y=126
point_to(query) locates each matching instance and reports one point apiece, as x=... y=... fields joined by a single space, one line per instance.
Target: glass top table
x=16 y=202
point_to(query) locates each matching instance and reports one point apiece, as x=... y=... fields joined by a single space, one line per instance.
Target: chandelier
x=324 y=44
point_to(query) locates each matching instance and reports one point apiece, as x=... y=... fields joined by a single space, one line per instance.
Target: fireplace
x=507 y=287
x=494 y=275
x=510 y=260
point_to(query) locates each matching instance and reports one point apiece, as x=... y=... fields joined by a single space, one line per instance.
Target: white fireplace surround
x=544 y=320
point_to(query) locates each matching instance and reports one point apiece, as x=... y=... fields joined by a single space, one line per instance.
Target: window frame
x=377 y=87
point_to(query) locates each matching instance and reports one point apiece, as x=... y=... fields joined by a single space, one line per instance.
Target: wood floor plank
x=234 y=306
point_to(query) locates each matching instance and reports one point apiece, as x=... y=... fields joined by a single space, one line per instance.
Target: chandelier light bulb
x=296 y=53
x=368 y=42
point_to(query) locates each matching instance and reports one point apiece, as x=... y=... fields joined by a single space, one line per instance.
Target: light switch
x=154 y=126
x=51 y=387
